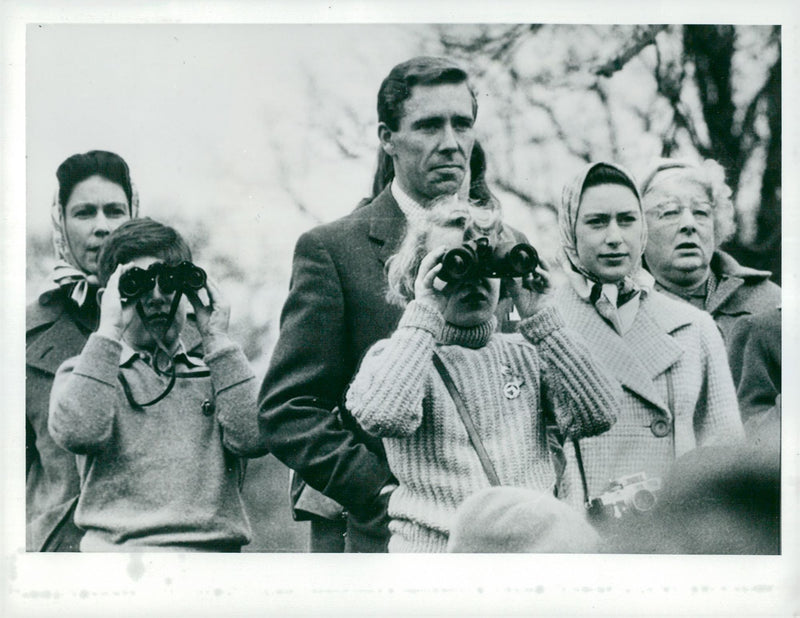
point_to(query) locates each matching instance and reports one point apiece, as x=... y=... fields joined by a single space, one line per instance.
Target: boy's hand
x=424 y=290
x=532 y=292
x=213 y=317
x=111 y=315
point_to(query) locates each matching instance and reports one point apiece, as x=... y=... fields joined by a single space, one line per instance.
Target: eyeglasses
x=670 y=212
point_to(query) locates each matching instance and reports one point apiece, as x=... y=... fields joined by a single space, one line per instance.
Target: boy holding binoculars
x=158 y=433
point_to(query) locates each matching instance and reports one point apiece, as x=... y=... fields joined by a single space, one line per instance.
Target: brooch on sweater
x=511 y=388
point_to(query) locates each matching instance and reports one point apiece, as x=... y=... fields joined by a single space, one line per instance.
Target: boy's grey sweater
x=164 y=476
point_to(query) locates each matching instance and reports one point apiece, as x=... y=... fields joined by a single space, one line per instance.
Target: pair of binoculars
x=181 y=277
x=478 y=258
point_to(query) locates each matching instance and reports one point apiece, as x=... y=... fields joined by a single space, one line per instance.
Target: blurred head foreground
x=716 y=500
x=517 y=520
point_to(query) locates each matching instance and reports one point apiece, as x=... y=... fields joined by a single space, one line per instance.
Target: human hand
x=213 y=317
x=532 y=292
x=425 y=291
x=112 y=321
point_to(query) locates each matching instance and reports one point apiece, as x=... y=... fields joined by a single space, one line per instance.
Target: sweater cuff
x=228 y=366
x=99 y=359
x=421 y=316
x=216 y=344
x=541 y=324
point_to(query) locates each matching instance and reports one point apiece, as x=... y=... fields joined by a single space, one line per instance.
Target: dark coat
x=55 y=330
x=740 y=291
x=336 y=309
x=754 y=352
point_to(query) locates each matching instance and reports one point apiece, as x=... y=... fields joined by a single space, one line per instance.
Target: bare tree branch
x=509 y=187
x=641 y=38
x=583 y=152
x=612 y=129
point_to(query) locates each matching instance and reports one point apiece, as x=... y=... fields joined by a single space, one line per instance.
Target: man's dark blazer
x=336 y=309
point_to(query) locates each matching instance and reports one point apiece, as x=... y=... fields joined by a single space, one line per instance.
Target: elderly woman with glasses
x=689 y=215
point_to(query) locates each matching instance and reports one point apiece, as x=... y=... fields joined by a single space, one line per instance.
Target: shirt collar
x=128 y=355
x=414 y=211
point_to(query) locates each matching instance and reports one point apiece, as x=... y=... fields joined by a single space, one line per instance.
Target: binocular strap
x=173 y=373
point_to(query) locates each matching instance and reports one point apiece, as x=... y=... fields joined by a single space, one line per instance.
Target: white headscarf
x=582 y=279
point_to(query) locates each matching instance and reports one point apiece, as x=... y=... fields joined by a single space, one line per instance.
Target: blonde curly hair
x=710 y=175
x=473 y=218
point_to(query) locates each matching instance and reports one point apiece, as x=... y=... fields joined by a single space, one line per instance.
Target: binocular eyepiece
x=180 y=277
x=477 y=259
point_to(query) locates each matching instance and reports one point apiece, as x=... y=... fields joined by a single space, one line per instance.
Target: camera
x=181 y=277
x=634 y=493
x=478 y=258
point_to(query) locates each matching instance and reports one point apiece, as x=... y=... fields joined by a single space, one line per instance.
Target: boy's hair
x=141 y=238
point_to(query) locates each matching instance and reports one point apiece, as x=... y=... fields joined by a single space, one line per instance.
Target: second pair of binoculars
x=181 y=277
x=479 y=258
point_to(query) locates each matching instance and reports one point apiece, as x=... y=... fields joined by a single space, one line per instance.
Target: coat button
x=208 y=408
x=659 y=427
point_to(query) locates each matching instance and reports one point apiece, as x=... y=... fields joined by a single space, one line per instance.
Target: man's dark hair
x=141 y=238
x=79 y=167
x=420 y=71
x=602 y=174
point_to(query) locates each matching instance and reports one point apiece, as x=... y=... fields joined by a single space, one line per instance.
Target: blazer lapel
x=387 y=224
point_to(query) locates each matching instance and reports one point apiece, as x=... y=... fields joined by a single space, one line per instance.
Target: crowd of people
x=432 y=389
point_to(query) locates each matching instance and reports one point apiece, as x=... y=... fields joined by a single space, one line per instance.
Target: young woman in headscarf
x=667 y=355
x=95 y=196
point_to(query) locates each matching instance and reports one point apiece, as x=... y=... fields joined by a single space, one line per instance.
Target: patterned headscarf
x=67 y=273
x=584 y=281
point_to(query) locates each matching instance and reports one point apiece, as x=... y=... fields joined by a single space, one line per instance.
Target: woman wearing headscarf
x=95 y=196
x=668 y=356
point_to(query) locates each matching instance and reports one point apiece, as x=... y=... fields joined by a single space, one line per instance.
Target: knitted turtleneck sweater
x=398 y=395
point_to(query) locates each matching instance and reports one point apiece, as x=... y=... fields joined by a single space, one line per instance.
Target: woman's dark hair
x=141 y=238
x=79 y=167
x=602 y=174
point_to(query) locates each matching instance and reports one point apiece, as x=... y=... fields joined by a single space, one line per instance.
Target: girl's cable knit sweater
x=506 y=381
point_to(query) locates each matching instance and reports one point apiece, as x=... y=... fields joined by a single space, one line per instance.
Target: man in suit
x=336 y=308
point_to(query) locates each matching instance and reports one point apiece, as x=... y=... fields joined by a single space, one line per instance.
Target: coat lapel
x=63 y=340
x=637 y=359
x=653 y=348
x=725 y=289
x=386 y=224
